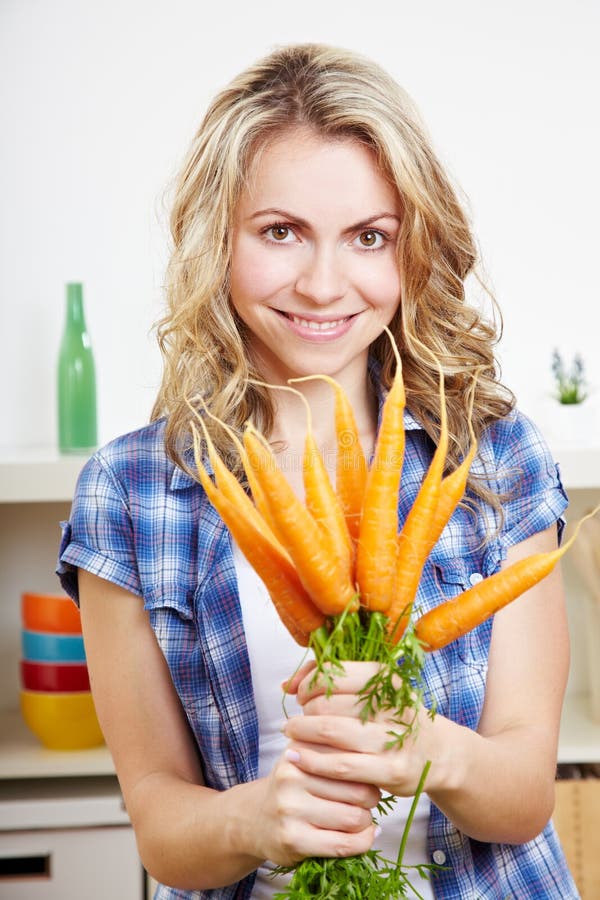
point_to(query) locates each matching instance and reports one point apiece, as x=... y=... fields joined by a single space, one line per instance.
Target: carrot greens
x=369 y=876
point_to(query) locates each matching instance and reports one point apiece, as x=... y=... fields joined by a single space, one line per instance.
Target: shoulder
x=514 y=448
x=520 y=467
x=134 y=463
x=140 y=445
x=514 y=431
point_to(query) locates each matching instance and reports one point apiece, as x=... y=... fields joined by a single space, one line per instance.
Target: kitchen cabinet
x=63 y=839
x=35 y=491
x=64 y=832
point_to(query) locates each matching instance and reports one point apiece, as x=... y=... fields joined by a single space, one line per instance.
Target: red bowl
x=50 y=612
x=46 y=676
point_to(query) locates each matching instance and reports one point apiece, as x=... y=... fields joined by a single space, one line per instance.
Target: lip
x=315 y=329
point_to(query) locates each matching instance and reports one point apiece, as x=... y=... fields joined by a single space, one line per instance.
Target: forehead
x=300 y=169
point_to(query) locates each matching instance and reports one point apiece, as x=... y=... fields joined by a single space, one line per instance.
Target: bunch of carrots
x=344 y=581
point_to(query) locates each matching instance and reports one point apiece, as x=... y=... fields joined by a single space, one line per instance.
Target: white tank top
x=274 y=656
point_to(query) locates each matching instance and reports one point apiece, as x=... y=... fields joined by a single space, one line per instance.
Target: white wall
x=98 y=102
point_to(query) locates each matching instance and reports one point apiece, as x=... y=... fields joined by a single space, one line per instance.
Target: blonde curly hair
x=337 y=94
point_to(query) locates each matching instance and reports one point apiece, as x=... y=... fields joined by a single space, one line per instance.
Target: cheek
x=381 y=284
x=256 y=273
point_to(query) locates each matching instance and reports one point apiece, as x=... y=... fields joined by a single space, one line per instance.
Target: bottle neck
x=75 y=311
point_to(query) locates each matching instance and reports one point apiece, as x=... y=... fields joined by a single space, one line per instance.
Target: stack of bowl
x=56 y=702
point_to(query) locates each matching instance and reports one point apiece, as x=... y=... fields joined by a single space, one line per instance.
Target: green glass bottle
x=76 y=383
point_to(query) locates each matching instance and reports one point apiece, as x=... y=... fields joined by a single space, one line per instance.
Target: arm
x=189 y=835
x=496 y=784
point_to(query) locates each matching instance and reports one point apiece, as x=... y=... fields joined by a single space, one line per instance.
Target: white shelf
x=579 y=740
x=22 y=755
x=61 y=803
x=38 y=475
x=579 y=466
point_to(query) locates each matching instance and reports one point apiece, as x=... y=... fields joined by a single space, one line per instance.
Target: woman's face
x=313 y=272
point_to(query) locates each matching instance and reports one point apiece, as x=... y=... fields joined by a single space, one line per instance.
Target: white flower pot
x=571 y=424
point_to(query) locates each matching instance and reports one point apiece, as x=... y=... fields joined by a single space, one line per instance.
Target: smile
x=314 y=325
x=317 y=329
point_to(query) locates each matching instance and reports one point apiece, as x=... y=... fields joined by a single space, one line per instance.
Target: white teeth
x=316 y=326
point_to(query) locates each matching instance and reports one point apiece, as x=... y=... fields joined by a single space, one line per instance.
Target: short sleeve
x=99 y=535
x=529 y=480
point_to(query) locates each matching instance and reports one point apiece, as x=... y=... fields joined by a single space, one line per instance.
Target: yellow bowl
x=62 y=721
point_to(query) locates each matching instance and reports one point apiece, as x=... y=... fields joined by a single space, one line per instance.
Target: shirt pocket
x=453 y=576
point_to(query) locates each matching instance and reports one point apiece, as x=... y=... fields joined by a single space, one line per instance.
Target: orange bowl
x=50 y=612
x=62 y=721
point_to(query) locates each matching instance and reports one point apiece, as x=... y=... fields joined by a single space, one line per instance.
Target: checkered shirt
x=142 y=523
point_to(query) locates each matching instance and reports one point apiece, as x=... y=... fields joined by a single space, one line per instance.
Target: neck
x=290 y=427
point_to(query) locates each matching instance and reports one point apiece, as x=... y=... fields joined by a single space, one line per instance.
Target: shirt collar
x=180 y=480
x=410 y=423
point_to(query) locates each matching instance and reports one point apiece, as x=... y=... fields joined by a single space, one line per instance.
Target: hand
x=305 y=814
x=357 y=750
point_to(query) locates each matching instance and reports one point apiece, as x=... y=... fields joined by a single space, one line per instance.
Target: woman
x=310 y=214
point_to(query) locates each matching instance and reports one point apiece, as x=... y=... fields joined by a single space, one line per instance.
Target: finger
x=366 y=796
x=291 y=685
x=338 y=733
x=350 y=678
x=341 y=766
x=334 y=705
x=395 y=772
x=312 y=841
x=335 y=816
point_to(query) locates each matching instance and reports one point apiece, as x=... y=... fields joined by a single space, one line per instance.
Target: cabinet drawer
x=71 y=863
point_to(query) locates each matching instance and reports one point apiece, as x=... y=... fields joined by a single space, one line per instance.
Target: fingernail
x=292 y=756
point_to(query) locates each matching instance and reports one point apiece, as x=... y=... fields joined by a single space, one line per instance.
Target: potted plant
x=570 y=384
x=573 y=420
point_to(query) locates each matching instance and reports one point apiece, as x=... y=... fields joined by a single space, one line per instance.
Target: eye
x=371 y=239
x=280 y=234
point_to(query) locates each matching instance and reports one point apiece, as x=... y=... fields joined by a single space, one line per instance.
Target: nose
x=321 y=278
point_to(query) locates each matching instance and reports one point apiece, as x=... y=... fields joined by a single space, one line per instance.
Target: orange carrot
x=377 y=542
x=324 y=576
x=451 y=493
x=454 y=484
x=319 y=496
x=351 y=463
x=232 y=489
x=454 y=618
x=423 y=526
x=322 y=501
x=295 y=608
x=255 y=488
x=417 y=538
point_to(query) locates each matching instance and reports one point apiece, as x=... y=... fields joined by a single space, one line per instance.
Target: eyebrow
x=283 y=214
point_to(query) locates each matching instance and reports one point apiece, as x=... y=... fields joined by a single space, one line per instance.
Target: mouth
x=316 y=324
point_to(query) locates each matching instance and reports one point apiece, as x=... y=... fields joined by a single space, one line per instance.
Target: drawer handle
x=25 y=866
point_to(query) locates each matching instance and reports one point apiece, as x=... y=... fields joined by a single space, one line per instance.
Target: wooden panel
x=577 y=820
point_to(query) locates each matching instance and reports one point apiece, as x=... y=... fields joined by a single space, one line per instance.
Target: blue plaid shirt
x=142 y=523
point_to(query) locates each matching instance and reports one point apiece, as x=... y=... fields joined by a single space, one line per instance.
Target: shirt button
x=439 y=857
x=475 y=577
